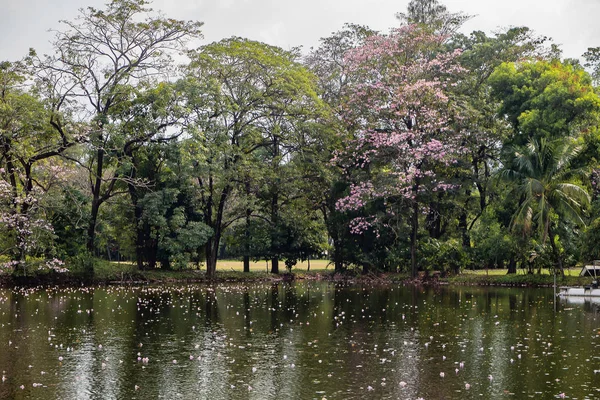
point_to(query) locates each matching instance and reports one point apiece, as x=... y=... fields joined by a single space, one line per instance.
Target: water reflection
x=304 y=341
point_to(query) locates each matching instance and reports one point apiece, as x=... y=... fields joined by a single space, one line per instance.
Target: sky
x=285 y=23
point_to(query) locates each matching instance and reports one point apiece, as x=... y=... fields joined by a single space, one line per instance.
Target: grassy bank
x=232 y=271
x=499 y=277
x=105 y=272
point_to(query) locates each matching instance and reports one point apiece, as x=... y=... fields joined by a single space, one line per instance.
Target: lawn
x=119 y=270
x=264 y=266
x=496 y=272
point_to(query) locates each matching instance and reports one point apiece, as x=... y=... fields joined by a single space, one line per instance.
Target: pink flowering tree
x=402 y=113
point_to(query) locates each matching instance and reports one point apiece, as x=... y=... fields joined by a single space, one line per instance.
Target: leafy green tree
x=245 y=98
x=544 y=99
x=99 y=59
x=486 y=133
x=548 y=105
x=288 y=203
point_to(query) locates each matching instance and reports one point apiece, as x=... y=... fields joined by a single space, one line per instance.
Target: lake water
x=311 y=340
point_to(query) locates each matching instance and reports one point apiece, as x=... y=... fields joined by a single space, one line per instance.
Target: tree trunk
x=338 y=259
x=275 y=264
x=512 y=266
x=91 y=231
x=275 y=211
x=139 y=239
x=96 y=200
x=434 y=221
x=463 y=229
x=151 y=244
x=212 y=247
x=414 y=233
x=556 y=253
x=247 y=230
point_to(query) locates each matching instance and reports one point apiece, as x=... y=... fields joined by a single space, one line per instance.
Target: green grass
x=497 y=272
x=264 y=266
x=226 y=270
x=501 y=278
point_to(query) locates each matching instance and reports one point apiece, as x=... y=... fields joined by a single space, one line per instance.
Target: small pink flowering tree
x=403 y=114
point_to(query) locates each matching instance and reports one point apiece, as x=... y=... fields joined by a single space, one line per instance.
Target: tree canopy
x=415 y=149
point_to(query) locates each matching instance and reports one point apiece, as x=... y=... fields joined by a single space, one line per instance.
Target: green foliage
x=544 y=99
x=69 y=219
x=108 y=152
x=253 y=106
x=82 y=264
x=545 y=186
x=590 y=237
x=443 y=255
x=493 y=244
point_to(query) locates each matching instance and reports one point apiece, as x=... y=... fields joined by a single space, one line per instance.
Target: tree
x=244 y=96
x=404 y=117
x=484 y=131
x=592 y=61
x=544 y=99
x=29 y=164
x=332 y=68
x=545 y=189
x=100 y=57
x=430 y=14
x=544 y=103
x=148 y=121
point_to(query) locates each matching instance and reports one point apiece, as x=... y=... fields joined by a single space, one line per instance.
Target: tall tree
x=481 y=55
x=404 y=115
x=242 y=94
x=98 y=58
x=433 y=15
x=333 y=70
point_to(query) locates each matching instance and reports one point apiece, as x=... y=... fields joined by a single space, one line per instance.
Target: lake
x=304 y=340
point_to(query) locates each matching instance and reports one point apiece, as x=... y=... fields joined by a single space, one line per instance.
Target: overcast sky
x=288 y=23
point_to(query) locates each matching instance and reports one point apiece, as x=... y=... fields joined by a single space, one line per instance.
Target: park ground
x=232 y=270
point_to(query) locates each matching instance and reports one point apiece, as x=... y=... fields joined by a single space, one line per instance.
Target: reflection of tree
x=211 y=307
x=274 y=307
x=247 y=317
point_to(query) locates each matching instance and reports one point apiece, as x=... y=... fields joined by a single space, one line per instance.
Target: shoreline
x=141 y=278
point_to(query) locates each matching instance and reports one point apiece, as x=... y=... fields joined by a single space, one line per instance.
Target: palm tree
x=546 y=188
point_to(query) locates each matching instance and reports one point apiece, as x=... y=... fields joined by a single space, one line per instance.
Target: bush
x=82 y=265
x=446 y=256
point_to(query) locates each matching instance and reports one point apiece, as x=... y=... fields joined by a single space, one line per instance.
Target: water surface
x=309 y=340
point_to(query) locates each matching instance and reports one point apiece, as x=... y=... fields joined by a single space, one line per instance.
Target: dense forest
x=422 y=148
